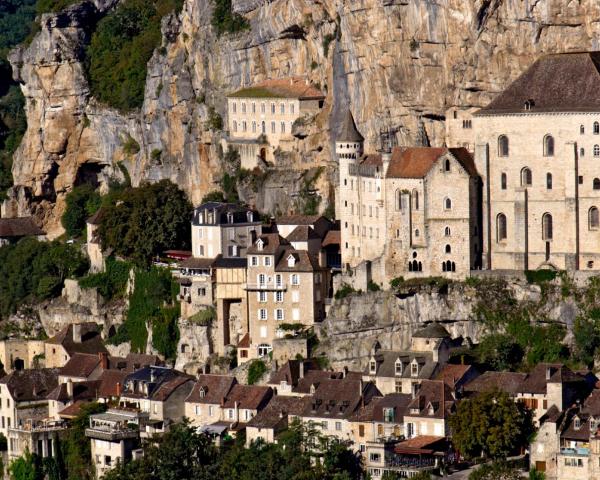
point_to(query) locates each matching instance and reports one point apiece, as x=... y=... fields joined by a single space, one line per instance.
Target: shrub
x=225 y=21
x=112 y=282
x=255 y=371
x=204 y=317
x=165 y=331
x=327 y=39
x=81 y=203
x=344 y=291
x=214 y=196
x=156 y=154
x=215 y=121
x=130 y=145
x=540 y=276
x=396 y=282
x=373 y=287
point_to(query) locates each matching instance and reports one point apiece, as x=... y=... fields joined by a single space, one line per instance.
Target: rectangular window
x=338 y=426
x=361 y=430
x=267 y=261
x=262 y=313
x=295 y=314
x=254 y=261
x=272 y=127
x=262 y=297
x=295 y=296
x=263 y=332
x=279 y=297
x=279 y=314
x=210 y=410
x=295 y=279
x=202 y=292
x=197 y=409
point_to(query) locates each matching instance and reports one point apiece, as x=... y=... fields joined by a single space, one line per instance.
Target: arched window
x=234 y=125
x=593 y=218
x=253 y=127
x=410 y=265
x=596 y=128
x=415 y=266
x=448 y=204
x=447 y=165
x=549 y=181
x=501 y=227
x=398 y=200
x=420 y=267
x=503 y=146
x=548 y=146
x=448 y=249
x=448 y=266
x=453 y=267
x=447 y=231
x=503 y=181
x=596 y=184
x=582 y=152
x=547 y=226
x=581 y=129
x=526 y=177
x=263 y=127
x=443 y=266
x=416 y=199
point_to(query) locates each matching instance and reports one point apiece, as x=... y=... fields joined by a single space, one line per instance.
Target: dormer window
x=388 y=415
x=398 y=367
x=202 y=392
x=291 y=261
x=250 y=217
x=260 y=244
x=577 y=423
x=414 y=369
x=529 y=104
x=373 y=366
x=430 y=410
x=229 y=217
x=312 y=389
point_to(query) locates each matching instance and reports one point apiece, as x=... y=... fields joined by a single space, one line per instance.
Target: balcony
x=40 y=426
x=575 y=451
x=267 y=286
x=111 y=434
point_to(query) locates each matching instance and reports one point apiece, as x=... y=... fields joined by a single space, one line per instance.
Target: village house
x=537 y=146
x=21 y=354
x=260 y=118
x=14 y=229
x=275 y=418
x=409 y=211
x=429 y=410
x=204 y=403
x=285 y=286
x=295 y=377
x=114 y=437
x=72 y=339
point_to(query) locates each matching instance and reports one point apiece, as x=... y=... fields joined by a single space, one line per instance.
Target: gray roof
x=386 y=364
x=349 y=132
x=433 y=330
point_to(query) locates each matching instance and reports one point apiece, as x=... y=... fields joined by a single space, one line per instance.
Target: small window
x=593 y=218
x=272 y=108
x=526 y=177
x=234 y=126
x=501 y=227
x=581 y=129
x=547 y=226
x=503 y=146
x=582 y=152
x=398 y=202
x=447 y=232
x=448 y=249
x=503 y=181
x=548 y=146
x=596 y=184
x=447 y=165
x=549 y=181
x=448 y=204
x=596 y=150
x=596 y=128
x=417 y=233
x=234 y=106
x=282 y=127
x=416 y=199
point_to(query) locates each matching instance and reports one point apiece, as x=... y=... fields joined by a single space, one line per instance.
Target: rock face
x=395 y=63
x=193 y=348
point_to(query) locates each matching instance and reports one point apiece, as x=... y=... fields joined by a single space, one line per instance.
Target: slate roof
x=198 y=263
x=386 y=364
x=416 y=162
x=565 y=82
x=91 y=341
x=30 y=385
x=251 y=397
x=161 y=381
x=19 y=227
x=348 y=131
x=221 y=209
x=509 y=382
x=276 y=413
x=271 y=243
x=289 y=87
x=373 y=412
x=215 y=387
x=591 y=404
x=315 y=377
x=433 y=330
x=230 y=262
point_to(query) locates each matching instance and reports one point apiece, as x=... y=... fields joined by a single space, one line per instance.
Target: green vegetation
x=214 y=196
x=31 y=271
x=112 y=282
x=156 y=155
x=154 y=301
x=130 y=145
x=140 y=223
x=491 y=425
x=255 y=371
x=327 y=39
x=498 y=470
x=121 y=47
x=215 y=121
x=372 y=286
x=540 y=276
x=308 y=200
x=225 y=21
x=344 y=291
x=46 y=6
x=82 y=202
x=204 y=317
x=184 y=454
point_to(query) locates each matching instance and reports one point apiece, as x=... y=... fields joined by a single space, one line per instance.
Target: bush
x=47 y=6
x=204 y=317
x=120 y=49
x=130 y=145
x=225 y=21
x=396 y=282
x=256 y=370
x=344 y=291
x=214 y=196
x=81 y=203
x=156 y=154
x=215 y=121
x=112 y=282
x=540 y=276
x=372 y=286
x=165 y=331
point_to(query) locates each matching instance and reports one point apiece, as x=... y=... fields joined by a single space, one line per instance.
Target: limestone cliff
x=395 y=63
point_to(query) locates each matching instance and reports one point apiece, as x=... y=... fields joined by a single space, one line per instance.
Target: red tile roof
x=211 y=389
x=80 y=365
x=250 y=397
x=416 y=162
x=19 y=227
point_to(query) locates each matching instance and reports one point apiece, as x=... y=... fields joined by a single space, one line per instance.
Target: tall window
x=234 y=105
x=549 y=181
x=282 y=108
x=272 y=108
x=398 y=200
x=244 y=127
x=272 y=127
x=253 y=127
x=503 y=146
x=547 y=226
x=234 y=125
x=596 y=150
x=596 y=184
x=282 y=127
x=263 y=127
x=501 y=227
x=503 y=181
x=447 y=165
x=416 y=199
x=262 y=107
x=596 y=128
x=548 y=146
x=581 y=129
x=253 y=107
x=526 y=178
x=448 y=204
x=593 y=218
x=447 y=231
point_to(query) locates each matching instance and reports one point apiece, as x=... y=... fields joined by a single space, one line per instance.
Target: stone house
x=38 y=436
x=284 y=285
x=260 y=118
x=74 y=338
x=537 y=146
x=204 y=403
x=275 y=418
x=429 y=410
x=243 y=402
x=20 y=354
x=158 y=391
x=14 y=229
x=411 y=211
x=295 y=377
x=114 y=437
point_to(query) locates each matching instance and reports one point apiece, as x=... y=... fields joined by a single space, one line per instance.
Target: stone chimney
x=77 y=333
x=301 y=369
x=345 y=373
x=119 y=389
x=103 y=356
x=70 y=388
x=360 y=387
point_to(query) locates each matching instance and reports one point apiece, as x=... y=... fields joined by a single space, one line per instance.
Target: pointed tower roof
x=349 y=132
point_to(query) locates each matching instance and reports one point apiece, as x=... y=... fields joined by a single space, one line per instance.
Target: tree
x=145 y=221
x=81 y=203
x=490 y=425
x=26 y=467
x=500 y=351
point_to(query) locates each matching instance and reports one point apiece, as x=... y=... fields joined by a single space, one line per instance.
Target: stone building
x=284 y=285
x=410 y=211
x=537 y=148
x=20 y=354
x=74 y=338
x=260 y=118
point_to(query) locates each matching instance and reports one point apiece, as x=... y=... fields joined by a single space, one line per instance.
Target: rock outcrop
x=395 y=63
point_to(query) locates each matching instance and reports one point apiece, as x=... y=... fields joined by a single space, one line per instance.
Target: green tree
x=490 y=425
x=225 y=21
x=26 y=467
x=256 y=370
x=81 y=202
x=500 y=351
x=145 y=221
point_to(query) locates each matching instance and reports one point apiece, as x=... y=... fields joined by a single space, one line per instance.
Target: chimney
x=70 y=388
x=301 y=369
x=345 y=374
x=77 y=333
x=222 y=402
x=548 y=373
x=415 y=389
x=103 y=356
x=118 y=389
x=360 y=386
